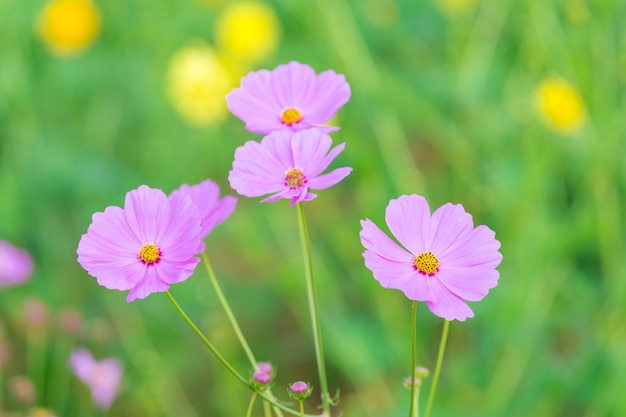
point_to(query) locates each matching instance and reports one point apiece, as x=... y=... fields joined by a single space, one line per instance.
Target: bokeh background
x=516 y=109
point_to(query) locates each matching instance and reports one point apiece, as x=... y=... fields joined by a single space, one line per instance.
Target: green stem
x=228 y=311
x=413 y=330
x=416 y=399
x=250 y=406
x=232 y=319
x=222 y=360
x=312 y=298
x=267 y=411
x=302 y=408
x=206 y=341
x=442 y=348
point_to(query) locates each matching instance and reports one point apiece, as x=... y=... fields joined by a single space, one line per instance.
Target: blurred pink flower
x=16 y=265
x=212 y=209
x=286 y=165
x=103 y=378
x=445 y=260
x=144 y=247
x=291 y=97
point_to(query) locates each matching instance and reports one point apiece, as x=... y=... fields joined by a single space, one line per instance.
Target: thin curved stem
x=206 y=341
x=313 y=310
x=228 y=311
x=442 y=348
x=413 y=330
x=223 y=360
x=232 y=319
x=251 y=405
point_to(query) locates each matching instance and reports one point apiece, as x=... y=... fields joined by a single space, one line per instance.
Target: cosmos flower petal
x=448 y=263
x=279 y=166
x=375 y=240
x=471 y=284
x=124 y=248
x=212 y=209
x=449 y=223
x=332 y=92
x=264 y=95
x=328 y=180
x=482 y=252
x=408 y=218
x=144 y=204
x=255 y=103
x=292 y=83
x=151 y=283
x=449 y=306
x=310 y=151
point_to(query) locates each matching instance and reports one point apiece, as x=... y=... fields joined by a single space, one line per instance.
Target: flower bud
x=300 y=390
x=261 y=380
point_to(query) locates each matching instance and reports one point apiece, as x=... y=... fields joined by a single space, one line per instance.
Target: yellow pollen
x=290 y=116
x=294 y=177
x=149 y=253
x=426 y=263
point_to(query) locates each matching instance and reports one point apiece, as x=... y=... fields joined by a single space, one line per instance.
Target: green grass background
x=441 y=106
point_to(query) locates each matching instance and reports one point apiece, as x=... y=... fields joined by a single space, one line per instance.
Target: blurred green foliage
x=442 y=106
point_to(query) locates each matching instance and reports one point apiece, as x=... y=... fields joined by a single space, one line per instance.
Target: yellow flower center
x=294 y=177
x=291 y=116
x=149 y=253
x=426 y=263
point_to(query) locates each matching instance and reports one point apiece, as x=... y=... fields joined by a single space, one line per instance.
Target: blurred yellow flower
x=198 y=83
x=248 y=31
x=560 y=105
x=68 y=26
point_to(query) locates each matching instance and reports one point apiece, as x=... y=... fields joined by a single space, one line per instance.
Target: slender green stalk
x=302 y=408
x=223 y=360
x=416 y=399
x=442 y=348
x=251 y=405
x=228 y=311
x=413 y=330
x=232 y=319
x=206 y=341
x=312 y=298
x=267 y=411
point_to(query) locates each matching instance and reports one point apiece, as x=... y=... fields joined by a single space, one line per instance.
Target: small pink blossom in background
x=212 y=209
x=103 y=378
x=444 y=260
x=145 y=246
x=286 y=165
x=290 y=97
x=265 y=367
x=16 y=265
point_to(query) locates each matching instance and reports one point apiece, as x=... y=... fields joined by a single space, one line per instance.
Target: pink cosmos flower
x=445 y=260
x=145 y=246
x=16 y=265
x=205 y=197
x=103 y=378
x=286 y=165
x=291 y=97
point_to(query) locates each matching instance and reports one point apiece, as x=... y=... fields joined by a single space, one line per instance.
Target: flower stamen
x=426 y=263
x=149 y=253
x=294 y=177
x=290 y=116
